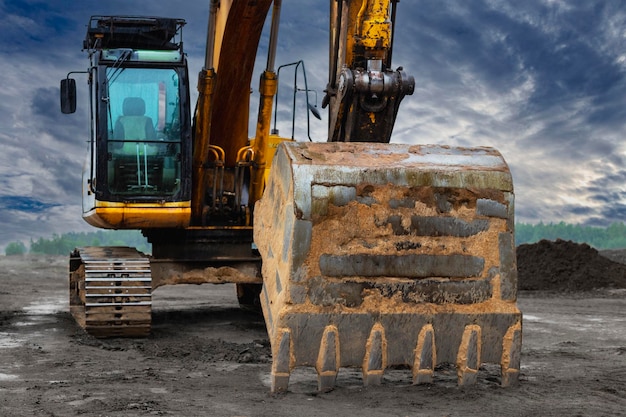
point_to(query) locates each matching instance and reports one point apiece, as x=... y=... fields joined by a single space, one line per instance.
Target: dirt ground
x=206 y=357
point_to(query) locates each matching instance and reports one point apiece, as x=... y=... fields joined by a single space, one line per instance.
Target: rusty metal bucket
x=380 y=255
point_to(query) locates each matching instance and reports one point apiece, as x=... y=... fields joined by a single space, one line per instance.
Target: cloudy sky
x=543 y=81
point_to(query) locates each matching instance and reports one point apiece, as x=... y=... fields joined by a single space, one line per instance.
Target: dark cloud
x=45 y=104
x=560 y=49
x=605 y=195
x=33 y=25
x=615 y=212
x=69 y=129
x=24 y=203
x=579 y=210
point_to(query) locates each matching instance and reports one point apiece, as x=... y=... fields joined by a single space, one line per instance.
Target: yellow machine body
x=112 y=215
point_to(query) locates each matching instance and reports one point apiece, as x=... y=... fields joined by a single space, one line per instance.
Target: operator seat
x=134 y=124
x=134 y=166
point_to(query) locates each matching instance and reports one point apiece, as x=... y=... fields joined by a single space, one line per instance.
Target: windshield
x=144 y=141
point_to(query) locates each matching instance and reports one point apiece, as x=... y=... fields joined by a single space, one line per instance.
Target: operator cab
x=138 y=172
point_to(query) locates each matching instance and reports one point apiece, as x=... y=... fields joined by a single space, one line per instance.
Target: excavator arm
x=222 y=111
x=363 y=92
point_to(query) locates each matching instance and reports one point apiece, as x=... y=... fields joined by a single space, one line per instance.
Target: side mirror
x=68 y=95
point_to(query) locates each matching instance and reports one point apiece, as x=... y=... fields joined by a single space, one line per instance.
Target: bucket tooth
x=425 y=356
x=281 y=364
x=328 y=360
x=375 y=360
x=468 y=358
x=511 y=352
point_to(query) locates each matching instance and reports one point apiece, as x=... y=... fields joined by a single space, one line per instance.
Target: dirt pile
x=566 y=266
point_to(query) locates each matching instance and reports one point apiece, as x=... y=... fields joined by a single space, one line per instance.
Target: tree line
x=610 y=237
x=64 y=244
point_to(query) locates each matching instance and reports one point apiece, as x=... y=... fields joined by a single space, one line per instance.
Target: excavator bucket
x=386 y=255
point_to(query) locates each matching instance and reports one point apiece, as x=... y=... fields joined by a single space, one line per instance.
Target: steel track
x=111 y=291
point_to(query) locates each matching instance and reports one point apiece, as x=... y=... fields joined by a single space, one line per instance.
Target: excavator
x=359 y=252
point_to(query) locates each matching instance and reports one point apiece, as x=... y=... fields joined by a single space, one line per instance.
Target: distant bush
x=15 y=248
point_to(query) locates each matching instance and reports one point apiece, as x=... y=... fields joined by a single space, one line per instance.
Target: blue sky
x=543 y=81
